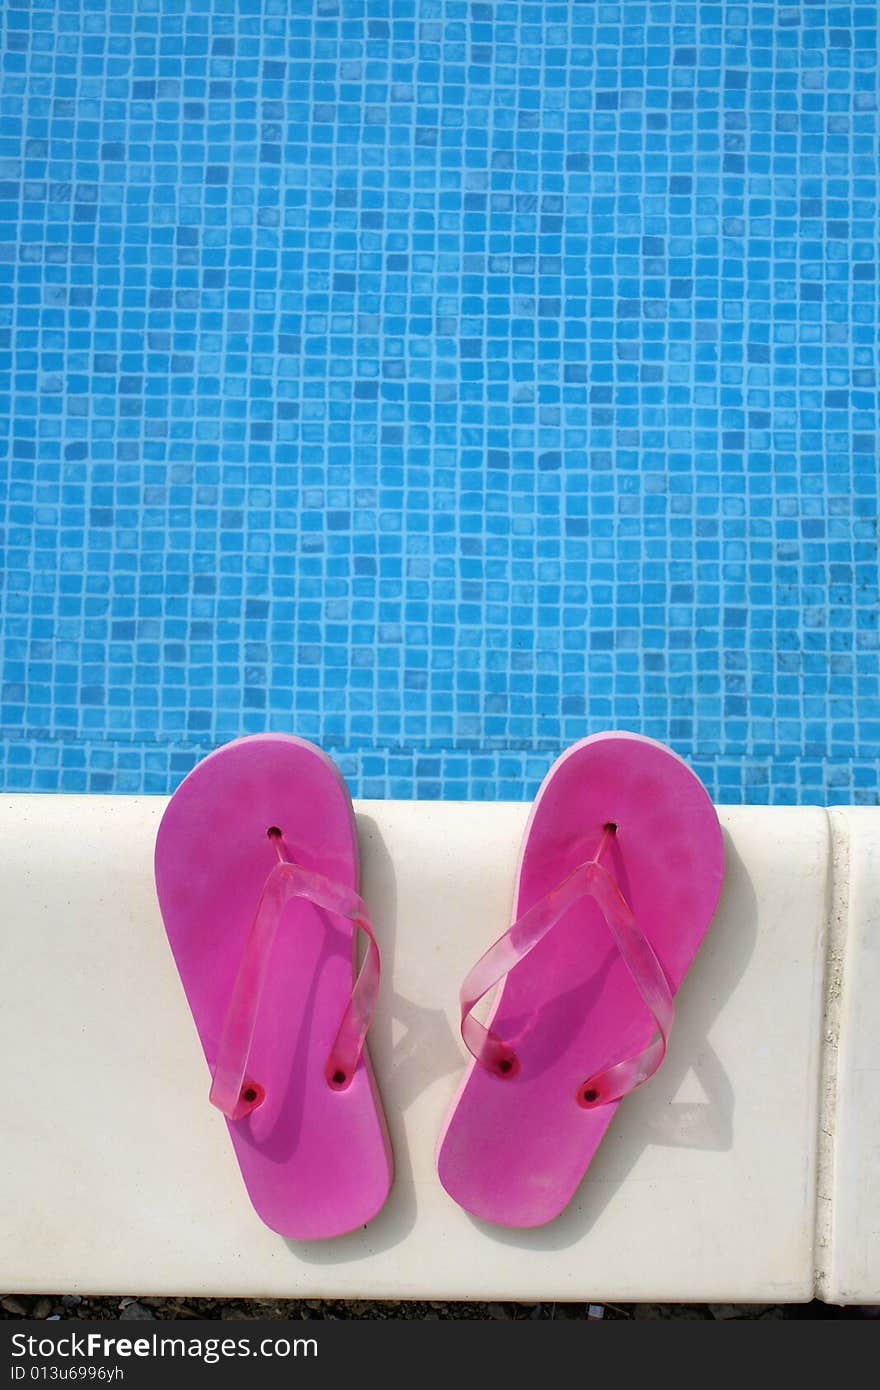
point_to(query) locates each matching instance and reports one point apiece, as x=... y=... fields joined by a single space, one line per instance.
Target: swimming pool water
x=441 y=381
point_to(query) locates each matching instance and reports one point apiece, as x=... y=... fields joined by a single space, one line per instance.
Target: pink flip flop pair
x=257 y=877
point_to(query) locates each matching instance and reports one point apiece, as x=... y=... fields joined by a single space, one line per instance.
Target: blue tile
x=442 y=381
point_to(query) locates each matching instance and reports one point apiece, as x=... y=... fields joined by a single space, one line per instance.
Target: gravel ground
x=64 y=1306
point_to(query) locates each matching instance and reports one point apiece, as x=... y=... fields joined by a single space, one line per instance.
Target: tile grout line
x=833 y=985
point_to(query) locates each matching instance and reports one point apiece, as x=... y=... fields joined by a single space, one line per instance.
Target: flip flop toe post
x=257 y=878
x=619 y=876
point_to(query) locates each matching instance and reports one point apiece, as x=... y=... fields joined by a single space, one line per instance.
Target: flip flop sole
x=514 y=1149
x=316 y=1161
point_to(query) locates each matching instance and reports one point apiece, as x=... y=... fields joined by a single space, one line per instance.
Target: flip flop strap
x=592 y=880
x=232 y=1091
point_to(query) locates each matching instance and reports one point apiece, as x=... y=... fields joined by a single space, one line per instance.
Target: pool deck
x=745 y=1171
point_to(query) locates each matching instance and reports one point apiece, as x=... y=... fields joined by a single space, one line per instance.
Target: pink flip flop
x=619 y=876
x=257 y=876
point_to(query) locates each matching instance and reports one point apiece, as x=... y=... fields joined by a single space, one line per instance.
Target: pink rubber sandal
x=619 y=876
x=257 y=875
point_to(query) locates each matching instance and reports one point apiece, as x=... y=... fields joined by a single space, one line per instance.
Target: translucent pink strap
x=232 y=1090
x=593 y=880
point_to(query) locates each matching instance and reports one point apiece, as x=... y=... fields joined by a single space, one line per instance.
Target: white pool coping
x=747 y=1170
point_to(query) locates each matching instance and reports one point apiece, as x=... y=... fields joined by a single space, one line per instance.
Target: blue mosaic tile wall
x=443 y=381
